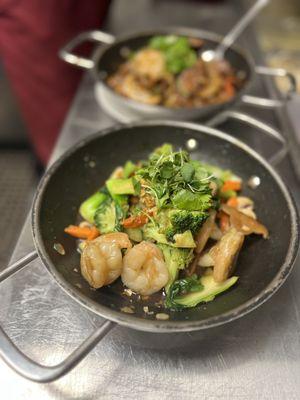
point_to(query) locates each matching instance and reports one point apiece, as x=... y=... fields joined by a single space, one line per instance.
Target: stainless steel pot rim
x=169 y=326
x=203 y=34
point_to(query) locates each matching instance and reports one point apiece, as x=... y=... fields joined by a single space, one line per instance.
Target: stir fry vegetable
x=169 y=224
x=169 y=71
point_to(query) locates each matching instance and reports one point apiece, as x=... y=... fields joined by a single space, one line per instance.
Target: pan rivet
x=254 y=182
x=192 y=144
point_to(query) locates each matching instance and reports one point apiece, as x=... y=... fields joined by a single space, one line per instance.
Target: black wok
x=107 y=58
x=263 y=264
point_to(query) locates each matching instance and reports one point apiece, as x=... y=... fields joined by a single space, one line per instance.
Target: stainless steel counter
x=256 y=357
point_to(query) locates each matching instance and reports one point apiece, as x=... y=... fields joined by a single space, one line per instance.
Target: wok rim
x=181 y=30
x=168 y=326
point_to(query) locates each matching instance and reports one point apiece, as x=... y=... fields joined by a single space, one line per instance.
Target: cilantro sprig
x=176 y=180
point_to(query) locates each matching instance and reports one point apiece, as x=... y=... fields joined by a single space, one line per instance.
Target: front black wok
x=262 y=264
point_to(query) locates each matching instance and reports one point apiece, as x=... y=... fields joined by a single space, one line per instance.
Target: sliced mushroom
x=205 y=232
x=224 y=253
x=244 y=223
x=245 y=205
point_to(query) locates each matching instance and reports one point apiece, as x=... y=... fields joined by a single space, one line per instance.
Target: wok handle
x=271 y=103
x=68 y=56
x=27 y=367
x=262 y=126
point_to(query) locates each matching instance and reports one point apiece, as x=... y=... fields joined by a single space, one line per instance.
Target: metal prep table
x=256 y=357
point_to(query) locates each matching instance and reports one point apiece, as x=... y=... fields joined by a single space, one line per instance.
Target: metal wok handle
x=271 y=103
x=262 y=126
x=30 y=369
x=91 y=36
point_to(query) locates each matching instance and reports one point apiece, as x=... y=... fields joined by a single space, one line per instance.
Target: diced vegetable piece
x=82 y=232
x=122 y=186
x=135 y=234
x=89 y=206
x=129 y=169
x=228 y=194
x=184 y=240
x=232 y=202
x=231 y=185
x=211 y=288
x=135 y=221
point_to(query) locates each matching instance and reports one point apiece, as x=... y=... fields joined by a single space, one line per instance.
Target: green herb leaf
x=187 y=172
x=167 y=170
x=187 y=200
x=177 y=50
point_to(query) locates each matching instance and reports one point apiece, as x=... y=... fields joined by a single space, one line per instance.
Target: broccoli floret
x=182 y=221
x=170 y=232
x=152 y=232
x=88 y=208
x=175 y=259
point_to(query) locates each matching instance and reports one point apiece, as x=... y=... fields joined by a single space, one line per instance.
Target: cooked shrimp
x=144 y=269
x=101 y=259
x=131 y=88
x=149 y=63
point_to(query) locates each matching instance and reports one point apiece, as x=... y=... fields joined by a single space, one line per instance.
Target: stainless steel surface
x=30 y=369
x=18 y=265
x=36 y=372
x=255 y=358
x=235 y=32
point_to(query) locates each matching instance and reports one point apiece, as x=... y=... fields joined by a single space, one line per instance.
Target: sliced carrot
x=135 y=221
x=224 y=221
x=228 y=87
x=231 y=185
x=88 y=233
x=232 y=202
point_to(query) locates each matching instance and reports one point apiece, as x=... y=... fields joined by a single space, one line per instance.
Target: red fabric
x=31 y=33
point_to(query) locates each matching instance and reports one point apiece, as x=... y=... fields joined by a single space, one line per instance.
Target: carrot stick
x=82 y=232
x=231 y=185
x=228 y=87
x=232 y=202
x=135 y=221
